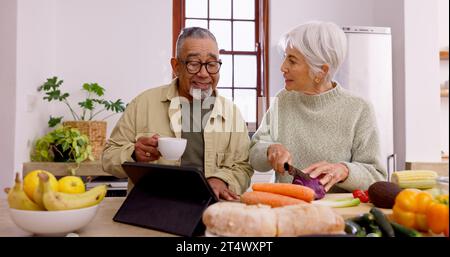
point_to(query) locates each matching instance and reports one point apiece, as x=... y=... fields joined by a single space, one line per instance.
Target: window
x=241 y=30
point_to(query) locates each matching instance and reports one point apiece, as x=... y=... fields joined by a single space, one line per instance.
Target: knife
x=295 y=172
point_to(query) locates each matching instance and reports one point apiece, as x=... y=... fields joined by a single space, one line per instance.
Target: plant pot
x=60 y=155
x=95 y=131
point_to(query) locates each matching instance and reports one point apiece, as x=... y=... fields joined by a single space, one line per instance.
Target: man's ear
x=175 y=65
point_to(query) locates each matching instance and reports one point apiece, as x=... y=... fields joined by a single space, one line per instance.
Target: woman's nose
x=283 y=68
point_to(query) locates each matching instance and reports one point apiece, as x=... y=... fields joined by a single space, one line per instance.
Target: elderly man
x=189 y=107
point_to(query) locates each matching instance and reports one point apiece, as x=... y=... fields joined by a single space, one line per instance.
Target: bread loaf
x=238 y=219
x=308 y=219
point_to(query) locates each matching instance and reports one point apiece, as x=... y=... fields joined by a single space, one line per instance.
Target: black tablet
x=166 y=198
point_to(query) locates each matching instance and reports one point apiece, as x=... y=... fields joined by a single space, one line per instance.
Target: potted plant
x=63 y=144
x=88 y=120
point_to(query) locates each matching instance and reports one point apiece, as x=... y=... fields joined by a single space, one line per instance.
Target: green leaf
x=53 y=121
x=44 y=153
x=63 y=97
x=51 y=84
x=65 y=146
x=87 y=104
x=117 y=106
x=94 y=88
x=80 y=142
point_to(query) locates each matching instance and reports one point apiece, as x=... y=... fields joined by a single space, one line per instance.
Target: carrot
x=292 y=190
x=274 y=200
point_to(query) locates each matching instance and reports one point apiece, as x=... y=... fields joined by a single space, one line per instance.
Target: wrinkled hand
x=277 y=155
x=221 y=190
x=328 y=173
x=146 y=150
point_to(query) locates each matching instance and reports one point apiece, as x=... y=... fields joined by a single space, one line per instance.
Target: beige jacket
x=157 y=111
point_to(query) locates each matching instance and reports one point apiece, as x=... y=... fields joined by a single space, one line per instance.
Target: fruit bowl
x=53 y=223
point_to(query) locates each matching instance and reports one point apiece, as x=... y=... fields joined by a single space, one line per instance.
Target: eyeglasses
x=194 y=67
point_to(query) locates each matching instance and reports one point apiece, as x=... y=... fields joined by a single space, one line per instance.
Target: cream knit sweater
x=334 y=126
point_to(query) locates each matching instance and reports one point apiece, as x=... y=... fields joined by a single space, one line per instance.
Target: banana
x=18 y=199
x=38 y=194
x=57 y=201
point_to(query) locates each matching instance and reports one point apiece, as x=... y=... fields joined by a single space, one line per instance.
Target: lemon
x=71 y=185
x=31 y=182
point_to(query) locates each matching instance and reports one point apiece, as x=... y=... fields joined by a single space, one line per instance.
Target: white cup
x=171 y=148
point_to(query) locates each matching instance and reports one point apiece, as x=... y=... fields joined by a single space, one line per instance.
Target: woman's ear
x=325 y=68
x=322 y=74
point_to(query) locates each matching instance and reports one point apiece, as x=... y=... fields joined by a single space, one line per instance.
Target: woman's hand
x=277 y=155
x=328 y=173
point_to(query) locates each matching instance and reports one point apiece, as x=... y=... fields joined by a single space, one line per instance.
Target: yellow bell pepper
x=437 y=215
x=410 y=208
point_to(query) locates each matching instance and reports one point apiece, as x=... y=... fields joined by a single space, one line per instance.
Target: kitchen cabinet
x=440 y=167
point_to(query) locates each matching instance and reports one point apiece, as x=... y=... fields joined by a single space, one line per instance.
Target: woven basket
x=95 y=131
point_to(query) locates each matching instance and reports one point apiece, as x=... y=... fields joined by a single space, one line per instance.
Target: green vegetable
x=374 y=230
x=339 y=203
x=364 y=220
x=352 y=228
x=402 y=231
x=368 y=223
x=382 y=221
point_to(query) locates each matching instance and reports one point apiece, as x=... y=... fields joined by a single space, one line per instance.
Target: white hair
x=320 y=43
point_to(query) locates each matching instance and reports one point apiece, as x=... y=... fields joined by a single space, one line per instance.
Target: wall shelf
x=88 y=168
x=443 y=55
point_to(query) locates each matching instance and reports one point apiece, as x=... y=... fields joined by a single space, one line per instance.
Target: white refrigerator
x=367 y=72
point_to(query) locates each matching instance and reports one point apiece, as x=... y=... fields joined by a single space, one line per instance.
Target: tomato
x=363 y=197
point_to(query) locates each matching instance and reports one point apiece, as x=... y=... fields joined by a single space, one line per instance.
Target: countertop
x=103 y=225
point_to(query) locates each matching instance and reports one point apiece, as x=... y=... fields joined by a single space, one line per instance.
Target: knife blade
x=295 y=172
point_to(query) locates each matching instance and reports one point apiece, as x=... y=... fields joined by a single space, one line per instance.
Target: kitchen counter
x=103 y=225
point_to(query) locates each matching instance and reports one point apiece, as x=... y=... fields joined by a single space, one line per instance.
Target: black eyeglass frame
x=186 y=63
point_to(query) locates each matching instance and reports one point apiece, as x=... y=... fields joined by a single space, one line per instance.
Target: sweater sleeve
x=120 y=145
x=266 y=135
x=365 y=166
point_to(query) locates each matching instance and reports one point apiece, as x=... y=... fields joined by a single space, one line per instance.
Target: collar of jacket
x=171 y=92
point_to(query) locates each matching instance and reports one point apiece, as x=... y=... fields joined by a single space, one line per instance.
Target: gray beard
x=199 y=94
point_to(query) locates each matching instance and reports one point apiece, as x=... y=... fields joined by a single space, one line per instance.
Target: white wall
x=286 y=14
x=443 y=27
x=35 y=60
x=8 y=18
x=123 y=45
x=390 y=13
x=422 y=93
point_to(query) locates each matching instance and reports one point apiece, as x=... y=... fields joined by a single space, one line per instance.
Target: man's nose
x=203 y=72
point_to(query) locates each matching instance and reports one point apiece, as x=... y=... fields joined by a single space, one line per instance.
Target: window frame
x=262 y=52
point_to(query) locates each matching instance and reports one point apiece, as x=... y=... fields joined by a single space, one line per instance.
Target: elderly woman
x=314 y=124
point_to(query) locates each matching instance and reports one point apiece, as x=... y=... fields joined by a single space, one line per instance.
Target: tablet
x=166 y=198
x=188 y=179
